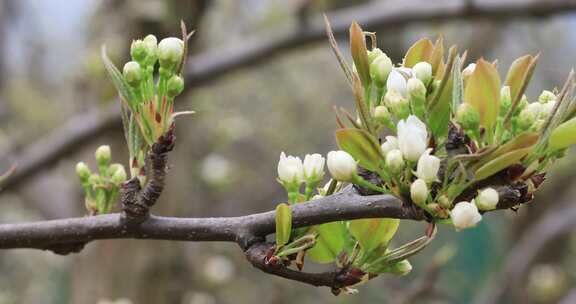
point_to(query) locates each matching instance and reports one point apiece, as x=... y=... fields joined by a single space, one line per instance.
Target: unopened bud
x=170 y=51
x=381 y=113
x=390 y=144
x=138 y=50
x=444 y=201
x=380 y=69
x=505 y=100
x=417 y=95
x=546 y=96
x=118 y=175
x=132 y=73
x=487 y=199
x=401 y=268
x=395 y=161
x=529 y=115
x=175 y=86
x=397 y=104
x=423 y=71
x=538 y=125
x=341 y=165
x=468 y=117
x=103 y=155
x=83 y=171
x=419 y=191
x=151 y=46
x=547 y=108
x=374 y=53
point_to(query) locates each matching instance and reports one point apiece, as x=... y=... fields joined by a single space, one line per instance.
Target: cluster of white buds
x=292 y=172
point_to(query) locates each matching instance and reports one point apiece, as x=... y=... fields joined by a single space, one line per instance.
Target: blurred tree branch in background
x=210 y=65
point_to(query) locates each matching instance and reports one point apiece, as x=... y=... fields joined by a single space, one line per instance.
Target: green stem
x=366 y=184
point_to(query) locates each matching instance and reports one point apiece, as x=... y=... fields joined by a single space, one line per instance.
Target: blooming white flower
x=487 y=199
x=396 y=82
x=465 y=215
x=412 y=137
x=390 y=144
x=341 y=165
x=469 y=70
x=313 y=167
x=423 y=71
x=170 y=50
x=395 y=161
x=428 y=166
x=419 y=191
x=290 y=169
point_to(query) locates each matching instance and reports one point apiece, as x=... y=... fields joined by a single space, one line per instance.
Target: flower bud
x=397 y=104
x=505 y=100
x=290 y=169
x=132 y=73
x=118 y=175
x=546 y=96
x=396 y=82
x=529 y=115
x=465 y=215
x=103 y=155
x=138 y=50
x=395 y=161
x=468 y=117
x=423 y=71
x=416 y=87
x=487 y=199
x=444 y=201
x=390 y=144
x=428 y=166
x=538 y=125
x=469 y=70
x=374 y=53
x=412 y=138
x=419 y=191
x=341 y=165
x=522 y=104
x=547 y=108
x=170 y=51
x=381 y=113
x=417 y=94
x=83 y=171
x=313 y=167
x=380 y=69
x=151 y=46
x=175 y=86
x=401 y=268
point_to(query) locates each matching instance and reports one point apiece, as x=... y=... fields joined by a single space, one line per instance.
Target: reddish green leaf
x=419 y=51
x=362 y=146
x=483 y=92
x=283 y=224
x=329 y=243
x=373 y=233
x=437 y=56
x=502 y=162
x=517 y=74
x=360 y=53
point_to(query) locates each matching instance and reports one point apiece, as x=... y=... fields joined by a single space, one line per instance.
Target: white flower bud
x=151 y=46
x=419 y=191
x=416 y=87
x=546 y=96
x=132 y=73
x=83 y=171
x=138 y=50
x=170 y=51
x=428 y=166
x=395 y=161
x=412 y=137
x=423 y=71
x=290 y=169
x=380 y=69
x=396 y=82
x=397 y=103
x=401 y=268
x=529 y=115
x=505 y=100
x=487 y=199
x=313 y=167
x=547 y=108
x=174 y=86
x=469 y=70
x=341 y=165
x=468 y=117
x=103 y=155
x=465 y=215
x=381 y=113
x=390 y=144
x=374 y=53
x=118 y=175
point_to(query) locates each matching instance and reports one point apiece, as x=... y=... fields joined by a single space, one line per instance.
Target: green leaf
x=329 y=242
x=563 y=136
x=419 y=51
x=120 y=84
x=437 y=56
x=439 y=115
x=360 y=53
x=283 y=224
x=373 y=233
x=457 y=84
x=518 y=74
x=362 y=146
x=502 y=162
x=483 y=93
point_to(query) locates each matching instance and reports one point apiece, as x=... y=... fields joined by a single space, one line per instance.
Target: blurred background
x=262 y=80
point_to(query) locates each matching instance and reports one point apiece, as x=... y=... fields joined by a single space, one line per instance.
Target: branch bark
x=210 y=65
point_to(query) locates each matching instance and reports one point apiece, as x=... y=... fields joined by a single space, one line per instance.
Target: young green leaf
x=120 y=84
x=373 y=233
x=362 y=146
x=517 y=75
x=563 y=136
x=419 y=51
x=283 y=224
x=360 y=53
x=329 y=242
x=437 y=55
x=483 y=93
x=500 y=163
